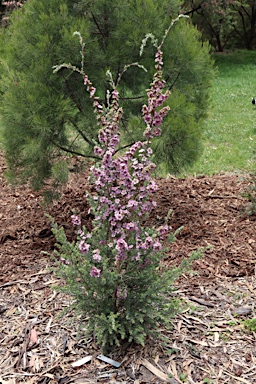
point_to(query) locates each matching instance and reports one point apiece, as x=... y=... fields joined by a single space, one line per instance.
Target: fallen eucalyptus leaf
x=242 y=311
x=83 y=361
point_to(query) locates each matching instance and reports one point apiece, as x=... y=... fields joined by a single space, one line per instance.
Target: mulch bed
x=208 y=342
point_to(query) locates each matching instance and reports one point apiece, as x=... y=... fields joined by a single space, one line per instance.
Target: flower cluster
x=124 y=185
x=151 y=115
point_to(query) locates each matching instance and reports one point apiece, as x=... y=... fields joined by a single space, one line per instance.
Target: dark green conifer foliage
x=48 y=117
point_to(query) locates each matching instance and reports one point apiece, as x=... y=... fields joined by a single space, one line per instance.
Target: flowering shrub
x=114 y=272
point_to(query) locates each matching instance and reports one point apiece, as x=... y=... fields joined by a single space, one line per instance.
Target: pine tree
x=48 y=117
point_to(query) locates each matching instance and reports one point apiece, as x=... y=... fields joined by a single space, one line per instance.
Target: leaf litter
x=41 y=340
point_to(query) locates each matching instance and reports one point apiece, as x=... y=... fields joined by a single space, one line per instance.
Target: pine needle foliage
x=47 y=116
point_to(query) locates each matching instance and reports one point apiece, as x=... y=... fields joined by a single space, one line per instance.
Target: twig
x=13 y=283
x=200 y=301
x=237 y=378
x=222 y=197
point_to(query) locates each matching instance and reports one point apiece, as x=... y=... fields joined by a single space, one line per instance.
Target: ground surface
x=208 y=342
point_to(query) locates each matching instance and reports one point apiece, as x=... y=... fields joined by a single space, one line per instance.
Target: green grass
x=230 y=133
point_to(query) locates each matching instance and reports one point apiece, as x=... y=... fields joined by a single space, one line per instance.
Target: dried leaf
x=154 y=370
x=156 y=359
x=216 y=336
x=33 y=336
x=12 y=381
x=48 y=326
x=82 y=361
x=108 y=361
x=238 y=378
x=242 y=311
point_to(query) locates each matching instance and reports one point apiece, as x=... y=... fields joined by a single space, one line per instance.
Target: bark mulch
x=41 y=340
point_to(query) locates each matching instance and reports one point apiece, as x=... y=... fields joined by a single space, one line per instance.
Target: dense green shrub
x=46 y=116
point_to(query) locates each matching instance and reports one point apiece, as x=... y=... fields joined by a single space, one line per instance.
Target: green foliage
x=250 y=324
x=47 y=115
x=147 y=305
x=183 y=377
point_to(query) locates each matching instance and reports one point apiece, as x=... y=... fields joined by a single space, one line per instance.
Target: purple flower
x=83 y=246
x=131 y=226
x=119 y=214
x=123 y=182
x=163 y=230
x=121 y=244
x=95 y=272
x=92 y=91
x=152 y=187
x=149 y=241
x=114 y=141
x=98 y=151
x=157 y=245
x=96 y=255
x=132 y=204
x=76 y=220
x=115 y=93
x=107 y=159
x=64 y=261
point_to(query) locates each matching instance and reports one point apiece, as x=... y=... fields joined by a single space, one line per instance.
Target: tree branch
x=132 y=98
x=72 y=95
x=88 y=141
x=97 y=24
x=75 y=152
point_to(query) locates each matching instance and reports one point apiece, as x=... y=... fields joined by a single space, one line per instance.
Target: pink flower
x=115 y=94
x=157 y=245
x=83 y=247
x=92 y=91
x=131 y=226
x=98 y=151
x=95 y=272
x=119 y=215
x=132 y=204
x=162 y=231
x=96 y=255
x=64 y=261
x=76 y=220
x=121 y=244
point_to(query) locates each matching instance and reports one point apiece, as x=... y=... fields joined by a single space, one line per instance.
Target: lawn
x=230 y=132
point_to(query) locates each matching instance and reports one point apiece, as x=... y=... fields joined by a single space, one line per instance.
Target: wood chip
x=154 y=370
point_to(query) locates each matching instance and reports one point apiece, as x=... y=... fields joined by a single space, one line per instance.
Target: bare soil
x=208 y=342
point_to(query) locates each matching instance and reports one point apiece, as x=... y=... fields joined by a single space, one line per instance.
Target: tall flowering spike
x=108 y=120
x=115 y=269
x=123 y=184
x=152 y=116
